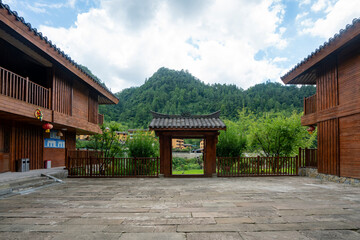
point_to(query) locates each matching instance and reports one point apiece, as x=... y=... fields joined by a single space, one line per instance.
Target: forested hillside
x=173 y=92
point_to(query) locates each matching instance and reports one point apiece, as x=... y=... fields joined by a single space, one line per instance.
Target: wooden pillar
x=161 y=141
x=12 y=148
x=165 y=155
x=210 y=155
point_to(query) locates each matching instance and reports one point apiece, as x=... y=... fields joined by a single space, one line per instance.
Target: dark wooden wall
x=349 y=76
x=326 y=85
x=16 y=61
x=93 y=108
x=349 y=126
x=62 y=99
x=350 y=146
x=80 y=103
x=328 y=148
x=70 y=138
x=56 y=155
x=4 y=148
x=28 y=143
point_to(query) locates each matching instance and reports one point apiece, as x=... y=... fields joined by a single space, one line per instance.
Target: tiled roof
x=187 y=121
x=324 y=45
x=47 y=41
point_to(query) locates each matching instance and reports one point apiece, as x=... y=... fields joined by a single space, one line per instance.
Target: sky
x=241 y=42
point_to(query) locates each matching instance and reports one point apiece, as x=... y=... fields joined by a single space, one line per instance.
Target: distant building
x=177 y=143
x=83 y=137
x=131 y=132
x=122 y=136
x=202 y=144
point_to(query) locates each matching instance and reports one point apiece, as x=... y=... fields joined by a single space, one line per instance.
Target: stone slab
x=214 y=236
x=153 y=236
x=273 y=235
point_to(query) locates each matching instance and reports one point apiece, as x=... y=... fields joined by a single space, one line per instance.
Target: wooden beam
x=21 y=108
x=75 y=122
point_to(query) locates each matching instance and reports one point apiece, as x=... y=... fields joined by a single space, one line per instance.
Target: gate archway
x=167 y=127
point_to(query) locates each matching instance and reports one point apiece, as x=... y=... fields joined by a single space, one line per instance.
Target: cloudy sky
x=242 y=42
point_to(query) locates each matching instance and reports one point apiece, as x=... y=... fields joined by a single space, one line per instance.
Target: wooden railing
x=257 y=166
x=81 y=154
x=100 y=119
x=15 y=86
x=308 y=157
x=95 y=167
x=310 y=104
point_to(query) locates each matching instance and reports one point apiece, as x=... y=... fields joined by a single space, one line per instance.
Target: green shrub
x=231 y=142
x=143 y=145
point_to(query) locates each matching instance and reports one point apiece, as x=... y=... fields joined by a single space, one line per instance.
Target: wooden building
x=168 y=127
x=335 y=108
x=37 y=78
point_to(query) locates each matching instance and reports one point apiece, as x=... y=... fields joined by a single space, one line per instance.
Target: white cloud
x=304 y=2
x=301 y=15
x=124 y=42
x=340 y=14
x=319 y=5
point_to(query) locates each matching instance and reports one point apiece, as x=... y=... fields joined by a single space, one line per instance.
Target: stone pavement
x=185 y=208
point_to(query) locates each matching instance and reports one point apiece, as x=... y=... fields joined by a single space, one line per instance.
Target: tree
x=143 y=144
x=232 y=142
x=275 y=135
x=108 y=141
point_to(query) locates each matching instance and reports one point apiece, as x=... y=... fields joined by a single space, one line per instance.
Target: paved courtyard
x=217 y=208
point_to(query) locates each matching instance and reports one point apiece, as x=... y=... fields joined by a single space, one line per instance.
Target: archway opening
x=187 y=156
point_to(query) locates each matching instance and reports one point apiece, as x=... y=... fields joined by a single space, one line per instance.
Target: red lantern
x=311 y=129
x=47 y=127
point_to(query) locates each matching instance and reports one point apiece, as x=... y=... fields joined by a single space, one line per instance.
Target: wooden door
x=4 y=149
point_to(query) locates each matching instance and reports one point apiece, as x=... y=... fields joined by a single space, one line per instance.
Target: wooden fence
x=81 y=154
x=308 y=157
x=15 y=86
x=97 y=167
x=257 y=166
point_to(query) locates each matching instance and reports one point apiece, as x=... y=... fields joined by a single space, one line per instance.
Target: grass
x=190 y=171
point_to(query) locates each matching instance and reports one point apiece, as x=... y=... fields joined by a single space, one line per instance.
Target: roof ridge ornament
x=185 y=115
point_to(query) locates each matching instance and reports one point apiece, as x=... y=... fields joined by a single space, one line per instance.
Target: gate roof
x=186 y=121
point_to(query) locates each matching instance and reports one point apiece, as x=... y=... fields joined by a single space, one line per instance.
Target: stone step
x=25 y=184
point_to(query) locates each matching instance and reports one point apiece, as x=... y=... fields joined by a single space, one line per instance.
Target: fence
x=97 y=167
x=81 y=154
x=308 y=157
x=15 y=86
x=257 y=166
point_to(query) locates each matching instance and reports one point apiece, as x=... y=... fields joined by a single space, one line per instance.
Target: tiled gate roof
x=187 y=121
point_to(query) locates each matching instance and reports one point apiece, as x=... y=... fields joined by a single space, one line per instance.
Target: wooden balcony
x=310 y=105
x=20 y=88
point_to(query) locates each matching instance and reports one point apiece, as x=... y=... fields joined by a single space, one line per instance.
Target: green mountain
x=173 y=92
